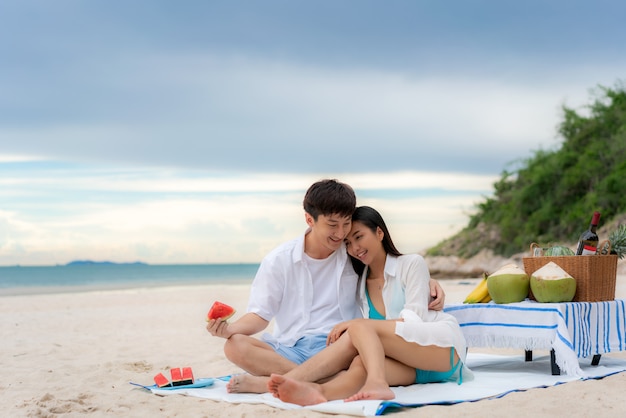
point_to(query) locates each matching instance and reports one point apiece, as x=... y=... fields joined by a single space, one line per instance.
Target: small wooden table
x=569 y=331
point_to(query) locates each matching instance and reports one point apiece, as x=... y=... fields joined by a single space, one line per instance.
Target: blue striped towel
x=574 y=329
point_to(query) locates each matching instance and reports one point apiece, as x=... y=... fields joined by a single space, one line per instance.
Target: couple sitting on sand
x=352 y=314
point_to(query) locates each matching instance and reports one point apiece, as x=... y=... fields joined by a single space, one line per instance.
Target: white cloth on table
x=574 y=329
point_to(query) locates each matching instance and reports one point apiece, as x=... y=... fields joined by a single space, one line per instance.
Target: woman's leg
x=305 y=393
x=372 y=353
x=412 y=354
x=385 y=359
x=343 y=386
x=376 y=340
x=328 y=362
x=325 y=364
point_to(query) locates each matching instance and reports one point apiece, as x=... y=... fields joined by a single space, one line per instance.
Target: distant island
x=111 y=263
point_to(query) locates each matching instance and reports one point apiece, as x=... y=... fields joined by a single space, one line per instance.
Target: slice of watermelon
x=187 y=376
x=177 y=376
x=161 y=381
x=221 y=311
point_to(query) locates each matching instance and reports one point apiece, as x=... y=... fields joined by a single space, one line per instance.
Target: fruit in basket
x=617 y=238
x=558 y=250
x=551 y=283
x=508 y=284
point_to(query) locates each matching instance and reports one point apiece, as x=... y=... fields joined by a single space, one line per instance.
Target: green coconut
x=551 y=283
x=508 y=284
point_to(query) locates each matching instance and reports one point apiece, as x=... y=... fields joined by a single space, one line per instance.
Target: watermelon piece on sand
x=161 y=381
x=187 y=376
x=220 y=311
x=177 y=377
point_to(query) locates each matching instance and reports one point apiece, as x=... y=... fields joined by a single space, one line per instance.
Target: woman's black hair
x=370 y=217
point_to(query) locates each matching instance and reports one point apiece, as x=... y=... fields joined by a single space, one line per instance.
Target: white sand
x=74 y=354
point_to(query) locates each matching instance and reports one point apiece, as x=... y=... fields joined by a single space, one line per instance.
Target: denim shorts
x=305 y=348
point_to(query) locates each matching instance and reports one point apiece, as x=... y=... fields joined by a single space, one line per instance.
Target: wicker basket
x=595 y=274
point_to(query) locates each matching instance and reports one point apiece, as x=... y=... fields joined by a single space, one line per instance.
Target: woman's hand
x=338 y=331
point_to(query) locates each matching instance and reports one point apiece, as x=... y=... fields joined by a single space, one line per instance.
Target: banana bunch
x=480 y=294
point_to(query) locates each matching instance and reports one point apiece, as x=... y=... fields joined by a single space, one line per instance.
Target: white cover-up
x=406 y=294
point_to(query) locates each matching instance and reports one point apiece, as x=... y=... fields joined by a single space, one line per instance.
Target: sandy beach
x=74 y=354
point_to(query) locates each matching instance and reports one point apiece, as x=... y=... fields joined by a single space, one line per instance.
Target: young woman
x=399 y=342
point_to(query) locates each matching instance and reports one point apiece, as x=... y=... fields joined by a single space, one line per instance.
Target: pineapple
x=618 y=241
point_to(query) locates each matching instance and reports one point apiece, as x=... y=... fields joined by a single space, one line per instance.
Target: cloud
x=43 y=176
x=276 y=87
x=217 y=113
x=190 y=133
x=57 y=214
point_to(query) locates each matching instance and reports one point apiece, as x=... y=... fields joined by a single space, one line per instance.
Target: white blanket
x=494 y=376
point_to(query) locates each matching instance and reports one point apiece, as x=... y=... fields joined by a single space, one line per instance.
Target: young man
x=306 y=285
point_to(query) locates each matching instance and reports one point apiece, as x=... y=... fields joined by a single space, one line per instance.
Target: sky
x=188 y=132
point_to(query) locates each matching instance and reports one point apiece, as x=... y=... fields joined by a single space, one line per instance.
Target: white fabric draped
x=574 y=330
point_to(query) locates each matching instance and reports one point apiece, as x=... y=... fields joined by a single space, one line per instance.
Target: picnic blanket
x=494 y=376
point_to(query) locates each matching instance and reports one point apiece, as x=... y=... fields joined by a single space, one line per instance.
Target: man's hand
x=438 y=295
x=248 y=324
x=218 y=328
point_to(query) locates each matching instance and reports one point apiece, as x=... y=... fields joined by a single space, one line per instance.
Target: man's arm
x=438 y=295
x=248 y=324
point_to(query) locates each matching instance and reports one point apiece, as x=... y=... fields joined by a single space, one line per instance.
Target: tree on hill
x=553 y=194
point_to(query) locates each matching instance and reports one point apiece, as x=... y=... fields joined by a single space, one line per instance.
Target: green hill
x=551 y=196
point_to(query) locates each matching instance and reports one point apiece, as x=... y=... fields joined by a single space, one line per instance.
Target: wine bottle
x=588 y=241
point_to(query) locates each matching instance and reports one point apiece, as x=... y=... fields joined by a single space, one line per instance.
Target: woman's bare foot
x=247 y=383
x=295 y=391
x=372 y=390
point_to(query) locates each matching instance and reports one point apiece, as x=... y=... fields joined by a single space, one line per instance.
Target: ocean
x=16 y=280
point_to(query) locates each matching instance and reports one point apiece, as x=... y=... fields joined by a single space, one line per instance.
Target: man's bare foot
x=378 y=391
x=247 y=383
x=295 y=391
